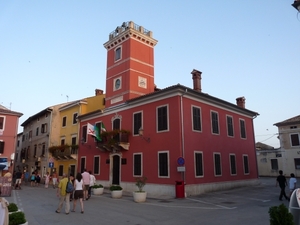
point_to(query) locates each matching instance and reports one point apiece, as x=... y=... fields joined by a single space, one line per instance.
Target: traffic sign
x=51 y=164
x=180 y=161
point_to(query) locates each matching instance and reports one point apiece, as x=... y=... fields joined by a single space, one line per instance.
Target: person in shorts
x=32 y=179
x=78 y=185
x=18 y=179
x=86 y=183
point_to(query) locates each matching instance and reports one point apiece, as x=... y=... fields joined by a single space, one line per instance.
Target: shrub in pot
x=12 y=207
x=17 y=218
x=97 y=189
x=279 y=215
x=140 y=195
x=116 y=191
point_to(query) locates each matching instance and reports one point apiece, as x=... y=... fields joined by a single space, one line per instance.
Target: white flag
x=90 y=129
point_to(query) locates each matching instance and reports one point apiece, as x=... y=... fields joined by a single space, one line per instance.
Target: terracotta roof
x=291 y=121
x=262 y=146
x=6 y=111
x=197 y=94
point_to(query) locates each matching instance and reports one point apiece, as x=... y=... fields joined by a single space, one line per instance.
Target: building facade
x=168 y=135
x=65 y=154
x=9 y=122
x=289 y=136
x=39 y=132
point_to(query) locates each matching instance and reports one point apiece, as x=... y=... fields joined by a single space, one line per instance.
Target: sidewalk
x=230 y=207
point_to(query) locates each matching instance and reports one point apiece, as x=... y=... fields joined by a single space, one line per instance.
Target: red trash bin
x=180 y=189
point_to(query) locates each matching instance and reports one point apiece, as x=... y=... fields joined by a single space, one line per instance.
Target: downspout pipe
x=182 y=131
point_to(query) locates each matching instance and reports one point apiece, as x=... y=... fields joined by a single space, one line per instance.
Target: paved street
x=245 y=206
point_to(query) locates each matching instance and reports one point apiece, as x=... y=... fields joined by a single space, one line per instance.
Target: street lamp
x=296 y=5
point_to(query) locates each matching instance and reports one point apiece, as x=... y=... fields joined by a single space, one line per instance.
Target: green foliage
x=115 y=188
x=279 y=215
x=97 y=186
x=17 y=218
x=140 y=183
x=12 y=207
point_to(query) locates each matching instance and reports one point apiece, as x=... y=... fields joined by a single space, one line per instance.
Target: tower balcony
x=112 y=141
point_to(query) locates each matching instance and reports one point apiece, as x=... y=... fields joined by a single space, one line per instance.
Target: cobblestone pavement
x=247 y=205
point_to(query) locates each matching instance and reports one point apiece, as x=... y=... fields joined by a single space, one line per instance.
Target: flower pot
x=139 y=196
x=98 y=191
x=26 y=223
x=116 y=194
x=15 y=211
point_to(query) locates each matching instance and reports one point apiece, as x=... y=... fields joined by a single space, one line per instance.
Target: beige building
x=285 y=158
x=39 y=132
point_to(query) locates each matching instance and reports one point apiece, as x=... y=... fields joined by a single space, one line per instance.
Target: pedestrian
x=38 y=179
x=18 y=179
x=79 y=186
x=281 y=181
x=72 y=194
x=63 y=195
x=47 y=179
x=292 y=184
x=54 y=179
x=3 y=210
x=14 y=178
x=86 y=183
x=26 y=175
x=32 y=179
x=92 y=183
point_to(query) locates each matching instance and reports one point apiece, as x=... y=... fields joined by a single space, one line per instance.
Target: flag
x=103 y=127
x=97 y=133
x=94 y=131
x=90 y=129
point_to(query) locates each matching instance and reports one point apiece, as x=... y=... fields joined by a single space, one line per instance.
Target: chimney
x=241 y=102
x=98 y=92
x=197 y=80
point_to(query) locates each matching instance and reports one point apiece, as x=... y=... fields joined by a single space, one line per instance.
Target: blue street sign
x=51 y=164
x=180 y=161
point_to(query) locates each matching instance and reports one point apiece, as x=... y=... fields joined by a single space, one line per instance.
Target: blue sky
x=53 y=49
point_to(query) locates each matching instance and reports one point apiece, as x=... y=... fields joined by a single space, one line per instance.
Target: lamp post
x=296 y=5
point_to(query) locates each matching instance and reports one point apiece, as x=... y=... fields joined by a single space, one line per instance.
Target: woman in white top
x=292 y=183
x=78 y=185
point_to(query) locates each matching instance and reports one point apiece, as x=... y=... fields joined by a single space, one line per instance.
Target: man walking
x=18 y=179
x=281 y=180
x=63 y=195
x=86 y=183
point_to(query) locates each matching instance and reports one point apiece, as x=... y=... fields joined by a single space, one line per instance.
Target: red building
x=9 y=121
x=175 y=134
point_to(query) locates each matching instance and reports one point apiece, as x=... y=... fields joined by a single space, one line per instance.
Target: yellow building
x=64 y=156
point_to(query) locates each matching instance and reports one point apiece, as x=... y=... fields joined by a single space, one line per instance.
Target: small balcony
x=64 y=152
x=114 y=141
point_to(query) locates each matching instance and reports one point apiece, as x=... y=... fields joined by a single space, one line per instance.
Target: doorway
x=116 y=170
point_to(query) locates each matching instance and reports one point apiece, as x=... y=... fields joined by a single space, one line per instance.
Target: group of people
x=281 y=181
x=82 y=184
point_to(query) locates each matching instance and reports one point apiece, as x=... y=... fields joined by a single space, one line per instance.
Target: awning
x=2 y=166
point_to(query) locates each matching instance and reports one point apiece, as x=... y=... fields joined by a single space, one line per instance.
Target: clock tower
x=130 y=63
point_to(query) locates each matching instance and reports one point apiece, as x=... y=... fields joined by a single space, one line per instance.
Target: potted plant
x=97 y=189
x=12 y=207
x=116 y=191
x=17 y=218
x=140 y=195
x=280 y=215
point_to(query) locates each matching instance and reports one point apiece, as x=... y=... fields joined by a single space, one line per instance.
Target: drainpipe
x=182 y=132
